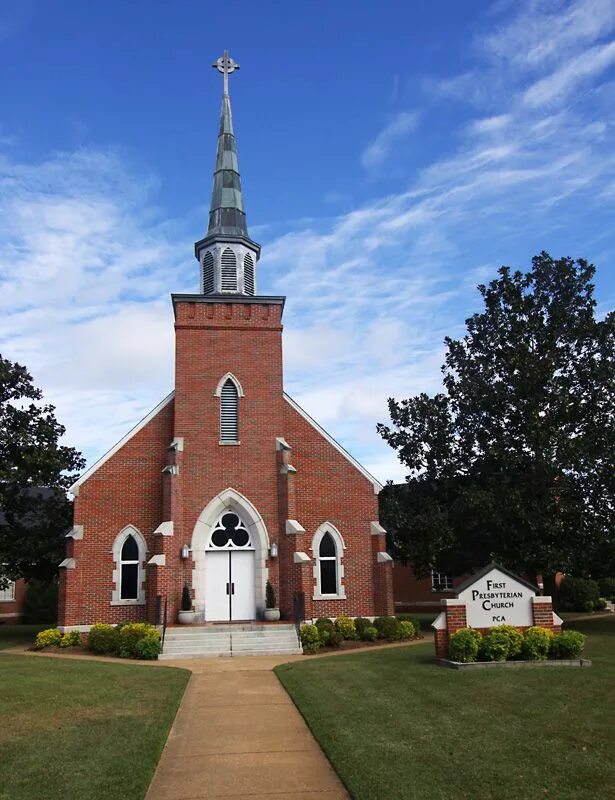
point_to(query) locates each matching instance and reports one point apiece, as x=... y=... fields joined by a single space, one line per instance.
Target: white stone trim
x=229 y=500
x=282 y=444
x=75 y=533
x=80 y=628
x=74 y=489
x=557 y=620
x=223 y=380
x=376 y=528
x=439 y=623
x=287 y=469
x=538 y=598
x=376 y=483
x=165 y=528
x=301 y=558
x=116 y=600
x=170 y=469
x=177 y=444
x=68 y=563
x=340 y=546
x=292 y=526
x=452 y=602
x=159 y=560
x=383 y=558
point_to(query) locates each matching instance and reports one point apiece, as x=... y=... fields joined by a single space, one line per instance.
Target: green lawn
x=394 y=725
x=82 y=729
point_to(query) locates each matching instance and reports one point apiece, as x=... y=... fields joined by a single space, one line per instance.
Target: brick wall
x=212 y=339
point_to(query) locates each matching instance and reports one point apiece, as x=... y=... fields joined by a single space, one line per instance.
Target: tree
x=514 y=460
x=35 y=472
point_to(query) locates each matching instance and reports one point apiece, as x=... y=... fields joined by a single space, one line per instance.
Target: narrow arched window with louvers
x=208 y=273
x=248 y=274
x=229 y=412
x=228 y=272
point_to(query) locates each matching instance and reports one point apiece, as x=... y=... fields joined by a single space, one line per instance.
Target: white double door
x=229 y=585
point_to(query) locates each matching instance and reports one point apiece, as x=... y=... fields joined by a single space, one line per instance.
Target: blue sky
x=392 y=158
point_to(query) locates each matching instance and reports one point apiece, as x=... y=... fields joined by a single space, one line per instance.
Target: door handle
x=232 y=588
x=227 y=591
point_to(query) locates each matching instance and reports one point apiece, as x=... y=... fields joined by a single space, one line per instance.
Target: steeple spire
x=227 y=268
x=227 y=214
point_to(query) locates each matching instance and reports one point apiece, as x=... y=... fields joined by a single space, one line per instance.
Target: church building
x=227 y=483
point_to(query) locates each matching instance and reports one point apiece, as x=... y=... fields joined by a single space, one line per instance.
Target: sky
x=393 y=156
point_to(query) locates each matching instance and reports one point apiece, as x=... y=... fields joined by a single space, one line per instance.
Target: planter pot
x=185 y=617
x=272 y=614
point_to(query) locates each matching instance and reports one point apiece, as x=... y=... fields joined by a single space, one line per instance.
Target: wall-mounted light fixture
x=185 y=552
x=273 y=550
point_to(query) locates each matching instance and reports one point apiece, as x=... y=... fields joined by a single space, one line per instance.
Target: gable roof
x=74 y=489
x=482 y=572
x=366 y=474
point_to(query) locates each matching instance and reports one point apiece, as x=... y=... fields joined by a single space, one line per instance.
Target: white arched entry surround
x=228 y=500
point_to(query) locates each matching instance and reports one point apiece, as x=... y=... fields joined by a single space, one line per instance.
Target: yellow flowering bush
x=48 y=638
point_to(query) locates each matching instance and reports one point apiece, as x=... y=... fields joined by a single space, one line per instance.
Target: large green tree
x=514 y=460
x=35 y=472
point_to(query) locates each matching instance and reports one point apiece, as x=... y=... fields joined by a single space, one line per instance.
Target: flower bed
x=348 y=634
x=505 y=646
x=138 y=640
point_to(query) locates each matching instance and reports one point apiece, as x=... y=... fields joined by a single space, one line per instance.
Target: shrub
x=510 y=636
x=567 y=644
x=131 y=634
x=388 y=628
x=147 y=649
x=186 y=599
x=71 y=639
x=494 y=646
x=369 y=634
x=360 y=623
x=406 y=629
x=41 y=603
x=578 y=594
x=463 y=645
x=310 y=638
x=335 y=638
x=536 y=643
x=607 y=588
x=48 y=638
x=601 y=604
x=270 y=598
x=346 y=627
x=416 y=622
x=326 y=629
x=102 y=638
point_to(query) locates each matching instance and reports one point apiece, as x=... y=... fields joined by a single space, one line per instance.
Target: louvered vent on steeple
x=208 y=273
x=229 y=412
x=248 y=274
x=229 y=271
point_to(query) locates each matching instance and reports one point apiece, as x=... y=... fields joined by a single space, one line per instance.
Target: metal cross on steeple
x=225 y=65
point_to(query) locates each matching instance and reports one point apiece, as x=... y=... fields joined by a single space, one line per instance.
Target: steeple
x=227 y=255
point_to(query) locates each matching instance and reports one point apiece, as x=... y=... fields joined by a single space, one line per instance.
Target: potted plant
x=272 y=614
x=186 y=615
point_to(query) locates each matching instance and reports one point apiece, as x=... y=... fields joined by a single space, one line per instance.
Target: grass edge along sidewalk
x=82 y=729
x=394 y=719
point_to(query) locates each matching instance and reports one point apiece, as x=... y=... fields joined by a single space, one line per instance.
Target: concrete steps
x=228 y=640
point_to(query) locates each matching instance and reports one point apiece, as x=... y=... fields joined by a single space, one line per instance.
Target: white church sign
x=496 y=597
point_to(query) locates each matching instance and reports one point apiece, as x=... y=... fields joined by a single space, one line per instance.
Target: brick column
x=454 y=618
x=542 y=613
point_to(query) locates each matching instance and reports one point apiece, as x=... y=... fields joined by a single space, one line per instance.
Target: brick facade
x=165 y=475
x=11 y=609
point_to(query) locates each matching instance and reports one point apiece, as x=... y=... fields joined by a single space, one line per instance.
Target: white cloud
x=86 y=265
x=376 y=153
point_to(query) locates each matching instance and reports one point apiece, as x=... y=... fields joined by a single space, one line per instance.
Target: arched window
x=129 y=556
x=328 y=549
x=129 y=573
x=208 y=273
x=327 y=565
x=228 y=273
x=248 y=274
x=229 y=412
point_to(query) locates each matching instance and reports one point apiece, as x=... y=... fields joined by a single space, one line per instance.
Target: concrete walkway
x=237 y=734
